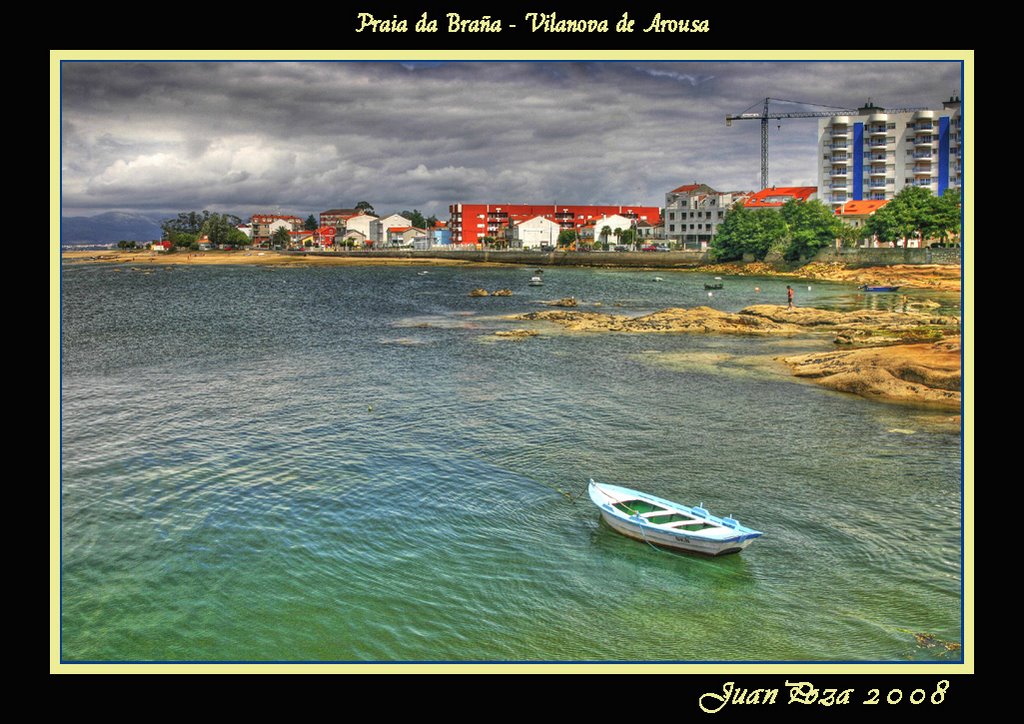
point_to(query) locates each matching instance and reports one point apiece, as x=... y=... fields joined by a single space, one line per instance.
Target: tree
x=364 y=207
x=851 y=236
x=627 y=237
x=280 y=237
x=431 y=221
x=125 y=244
x=310 y=223
x=415 y=218
x=567 y=237
x=944 y=217
x=747 y=231
x=913 y=212
x=222 y=230
x=811 y=226
x=605 y=233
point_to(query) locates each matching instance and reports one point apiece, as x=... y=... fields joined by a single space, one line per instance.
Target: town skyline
x=245 y=138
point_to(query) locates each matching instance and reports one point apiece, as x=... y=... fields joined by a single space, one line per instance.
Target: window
x=671 y=227
x=672 y=216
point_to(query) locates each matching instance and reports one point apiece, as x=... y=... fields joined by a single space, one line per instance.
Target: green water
x=344 y=464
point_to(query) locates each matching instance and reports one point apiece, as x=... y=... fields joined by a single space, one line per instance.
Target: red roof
x=686 y=189
x=860 y=207
x=399 y=228
x=779 y=195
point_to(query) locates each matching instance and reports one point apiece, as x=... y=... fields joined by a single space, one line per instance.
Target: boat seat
x=656 y=513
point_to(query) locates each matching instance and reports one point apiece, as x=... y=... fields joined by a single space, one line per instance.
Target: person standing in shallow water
x=789 y=294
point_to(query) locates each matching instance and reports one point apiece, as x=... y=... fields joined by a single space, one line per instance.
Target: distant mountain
x=108 y=228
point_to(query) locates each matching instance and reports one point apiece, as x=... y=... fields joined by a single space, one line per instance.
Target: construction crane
x=764 y=116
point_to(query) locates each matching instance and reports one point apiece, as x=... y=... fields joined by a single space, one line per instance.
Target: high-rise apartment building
x=874 y=154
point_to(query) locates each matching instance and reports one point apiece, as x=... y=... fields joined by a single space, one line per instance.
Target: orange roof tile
x=779 y=195
x=861 y=207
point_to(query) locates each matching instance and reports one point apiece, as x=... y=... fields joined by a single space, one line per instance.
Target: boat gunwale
x=739 y=533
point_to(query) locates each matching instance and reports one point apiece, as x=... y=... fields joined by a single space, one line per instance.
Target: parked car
x=648 y=247
x=621 y=247
x=662 y=247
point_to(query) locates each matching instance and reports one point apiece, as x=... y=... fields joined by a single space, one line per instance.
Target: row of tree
x=801 y=229
x=185 y=230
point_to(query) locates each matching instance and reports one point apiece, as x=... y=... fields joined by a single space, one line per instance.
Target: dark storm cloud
x=302 y=137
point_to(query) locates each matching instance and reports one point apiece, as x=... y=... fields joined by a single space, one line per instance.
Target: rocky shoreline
x=908 y=357
x=937 y=277
x=919 y=374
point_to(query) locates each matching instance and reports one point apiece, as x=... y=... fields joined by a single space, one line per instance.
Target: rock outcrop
x=925 y=374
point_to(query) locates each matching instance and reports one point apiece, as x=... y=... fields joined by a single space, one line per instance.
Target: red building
x=471 y=222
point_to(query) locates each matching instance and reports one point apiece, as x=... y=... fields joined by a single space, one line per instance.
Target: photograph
x=560 y=359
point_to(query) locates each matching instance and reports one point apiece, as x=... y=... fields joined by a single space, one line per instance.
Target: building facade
x=694 y=212
x=367 y=225
x=534 y=233
x=265 y=224
x=470 y=223
x=873 y=155
x=337 y=217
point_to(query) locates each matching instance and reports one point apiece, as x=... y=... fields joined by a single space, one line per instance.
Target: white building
x=386 y=223
x=534 y=233
x=873 y=155
x=366 y=224
x=612 y=222
x=694 y=212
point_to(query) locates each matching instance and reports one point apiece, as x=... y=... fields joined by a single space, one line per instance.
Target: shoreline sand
x=935 y=277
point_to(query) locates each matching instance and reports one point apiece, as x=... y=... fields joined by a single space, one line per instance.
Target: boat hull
x=674 y=541
x=666 y=524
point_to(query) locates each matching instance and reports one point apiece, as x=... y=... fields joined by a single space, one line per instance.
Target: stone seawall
x=886 y=257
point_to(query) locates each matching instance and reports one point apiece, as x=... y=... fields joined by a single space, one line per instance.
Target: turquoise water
x=345 y=464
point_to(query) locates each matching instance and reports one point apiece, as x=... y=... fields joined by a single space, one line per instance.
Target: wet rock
x=501 y=293
x=517 y=333
x=479 y=293
x=563 y=302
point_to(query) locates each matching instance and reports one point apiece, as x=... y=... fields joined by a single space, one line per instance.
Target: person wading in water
x=789 y=293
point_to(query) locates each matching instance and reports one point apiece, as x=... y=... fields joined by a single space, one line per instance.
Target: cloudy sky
x=303 y=137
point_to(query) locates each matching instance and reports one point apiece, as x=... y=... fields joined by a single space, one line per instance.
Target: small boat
x=714 y=286
x=536 y=281
x=873 y=288
x=663 y=523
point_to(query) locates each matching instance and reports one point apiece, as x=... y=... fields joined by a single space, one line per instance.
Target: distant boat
x=714 y=286
x=872 y=288
x=536 y=281
x=671 y=525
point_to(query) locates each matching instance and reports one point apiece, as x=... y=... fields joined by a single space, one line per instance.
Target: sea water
x=345 y=464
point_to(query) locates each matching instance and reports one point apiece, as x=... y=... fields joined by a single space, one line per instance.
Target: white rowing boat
x=671 y=525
